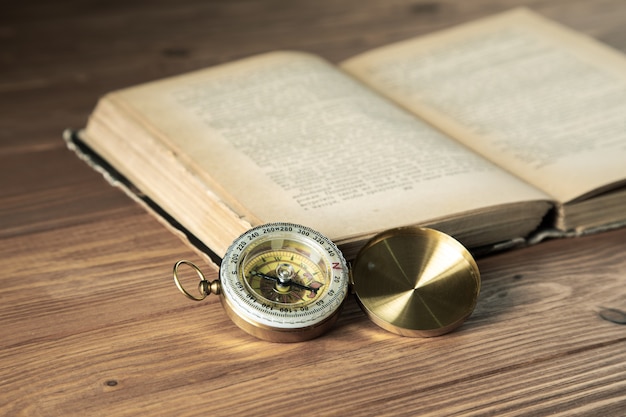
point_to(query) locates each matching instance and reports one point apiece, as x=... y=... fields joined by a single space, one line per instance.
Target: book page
x=288 y=137
x=538 y=99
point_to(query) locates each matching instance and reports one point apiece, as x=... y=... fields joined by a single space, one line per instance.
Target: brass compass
x=285 y=282
x=280 y=282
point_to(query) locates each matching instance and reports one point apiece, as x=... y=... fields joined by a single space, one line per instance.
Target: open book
x=490 y=132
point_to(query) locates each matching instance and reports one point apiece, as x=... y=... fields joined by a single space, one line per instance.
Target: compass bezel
x=276 y=321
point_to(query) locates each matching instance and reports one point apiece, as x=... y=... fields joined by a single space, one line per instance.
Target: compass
x=285 y=282
x=280 y=282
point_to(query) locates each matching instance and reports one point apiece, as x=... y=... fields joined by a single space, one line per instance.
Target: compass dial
x=285 y=277
x=283 y=282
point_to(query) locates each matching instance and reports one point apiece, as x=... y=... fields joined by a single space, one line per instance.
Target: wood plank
x=62 y=191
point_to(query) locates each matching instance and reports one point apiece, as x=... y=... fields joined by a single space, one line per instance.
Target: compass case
x=416 y=281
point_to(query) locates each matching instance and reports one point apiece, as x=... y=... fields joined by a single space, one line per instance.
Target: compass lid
x=416 y=281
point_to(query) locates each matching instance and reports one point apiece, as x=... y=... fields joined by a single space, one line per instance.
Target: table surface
x=90 y=320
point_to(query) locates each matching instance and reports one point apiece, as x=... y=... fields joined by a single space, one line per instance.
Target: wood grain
x=90 y=320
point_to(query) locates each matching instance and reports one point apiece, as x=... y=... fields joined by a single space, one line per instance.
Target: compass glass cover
x=283 y=277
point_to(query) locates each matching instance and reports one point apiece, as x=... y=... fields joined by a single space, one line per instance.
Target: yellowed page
x=540 y=100
x=291 y=138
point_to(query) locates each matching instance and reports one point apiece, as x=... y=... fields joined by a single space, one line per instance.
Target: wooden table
x=91 y=323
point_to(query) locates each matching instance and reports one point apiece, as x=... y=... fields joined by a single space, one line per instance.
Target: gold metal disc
x=416 y=282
